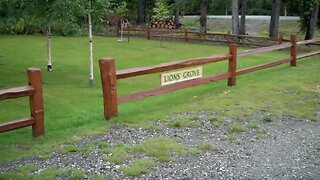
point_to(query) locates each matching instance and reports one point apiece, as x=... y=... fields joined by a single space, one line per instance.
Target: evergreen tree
x=161 y=9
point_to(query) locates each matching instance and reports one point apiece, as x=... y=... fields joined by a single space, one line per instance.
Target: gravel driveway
x=287 y=148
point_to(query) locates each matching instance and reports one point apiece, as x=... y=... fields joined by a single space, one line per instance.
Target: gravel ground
x=289 y=149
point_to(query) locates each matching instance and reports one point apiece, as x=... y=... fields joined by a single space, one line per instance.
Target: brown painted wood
x=315 y=43
x=148 y=33
x=109 y=87
x=169 y=66
x=36 y=101
x=255 y=37
x=250 y=44
x=189 y=34
x=262 y=66
x=293 y=51
x=232 y=69
x=311 y=41
x=264 y=49
x=216 y=34
x=12 y=125
x=206 y=40
x=16 y=92
x=173 y=87
x=186 y=35
x=308 y=54
x=280 y=39
x=229 y=37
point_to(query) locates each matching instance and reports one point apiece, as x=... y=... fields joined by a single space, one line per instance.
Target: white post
x=90 y=45
x=49 y=63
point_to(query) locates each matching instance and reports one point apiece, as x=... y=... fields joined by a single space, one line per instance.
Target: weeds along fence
x=110 y=76
x=192 y=36
x=34 y=91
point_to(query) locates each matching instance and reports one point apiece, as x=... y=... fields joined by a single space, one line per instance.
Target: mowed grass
x=72 y=109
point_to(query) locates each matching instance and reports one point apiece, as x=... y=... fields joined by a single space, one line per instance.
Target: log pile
x=167 y=23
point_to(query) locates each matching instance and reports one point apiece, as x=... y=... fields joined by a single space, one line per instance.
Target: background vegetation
x=69 y=18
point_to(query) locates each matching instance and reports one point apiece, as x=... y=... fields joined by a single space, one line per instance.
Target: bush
x=258 y=11
x=7 y=26
x=70 y=29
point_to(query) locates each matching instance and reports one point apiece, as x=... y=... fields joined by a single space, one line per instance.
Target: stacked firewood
x=166 y=23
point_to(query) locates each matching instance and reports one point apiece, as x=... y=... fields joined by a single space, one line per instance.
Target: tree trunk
x=242 y=29
x=285 y=11
x=141 y=12
x=275 y=16
x=312 y=23
x=90 y=44
x=49 y=63
x=235 y=17
x=177 y=14
x=203 y=16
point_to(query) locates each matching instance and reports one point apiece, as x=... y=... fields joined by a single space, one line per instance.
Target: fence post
x=36 y=101
x=229 y=37
x=232 y=65
x=109 y=87
x=148 y=33
x=293 y=62
x=118 y=31
x=280 y=39
x=186 y=35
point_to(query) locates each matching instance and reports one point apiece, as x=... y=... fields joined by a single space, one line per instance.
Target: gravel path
x=289 y=149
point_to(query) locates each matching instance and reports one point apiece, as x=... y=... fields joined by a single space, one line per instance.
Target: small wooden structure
x=34 y=91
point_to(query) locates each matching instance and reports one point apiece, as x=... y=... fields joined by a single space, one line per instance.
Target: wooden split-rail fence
x=109 y=74
x=194 y=36
x=34 y=91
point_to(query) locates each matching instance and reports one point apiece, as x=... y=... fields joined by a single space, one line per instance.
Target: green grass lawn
x=72 y=109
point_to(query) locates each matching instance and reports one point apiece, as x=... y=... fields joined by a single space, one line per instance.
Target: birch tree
x=50 y=10
x=91 y=77
x=43 y=8
x=94 y=10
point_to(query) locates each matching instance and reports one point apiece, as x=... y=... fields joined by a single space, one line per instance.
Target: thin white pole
x=90 y=45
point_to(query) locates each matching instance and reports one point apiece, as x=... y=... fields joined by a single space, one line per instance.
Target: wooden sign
x=180 y=76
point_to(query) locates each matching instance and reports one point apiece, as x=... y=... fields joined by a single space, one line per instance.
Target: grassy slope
x=72 y=109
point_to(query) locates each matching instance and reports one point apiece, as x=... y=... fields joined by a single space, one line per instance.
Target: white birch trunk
x=90 y=45
x=49 y=63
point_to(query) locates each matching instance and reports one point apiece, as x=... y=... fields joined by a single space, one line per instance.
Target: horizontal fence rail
x=109 y=75
x=170 y=66
x=34 y=91
x=193 y=36
x=16 y=92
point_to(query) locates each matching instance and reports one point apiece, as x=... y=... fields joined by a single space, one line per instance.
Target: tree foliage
x=70 y=17
x=161 y=9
